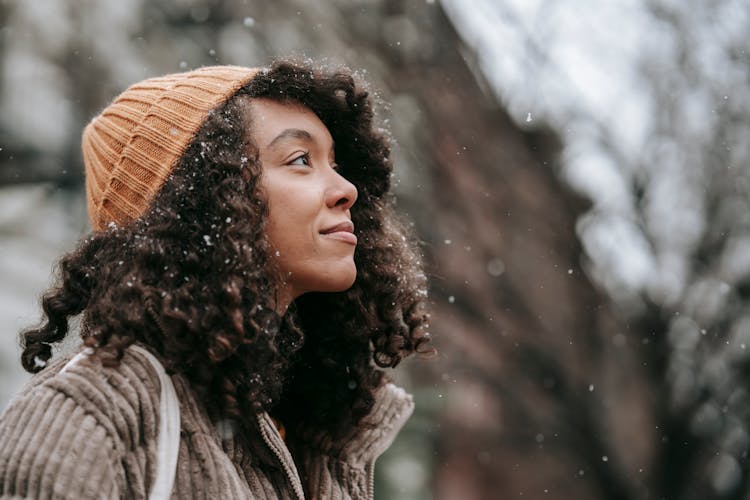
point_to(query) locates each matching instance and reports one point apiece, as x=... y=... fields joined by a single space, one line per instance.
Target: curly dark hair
x=193 y=278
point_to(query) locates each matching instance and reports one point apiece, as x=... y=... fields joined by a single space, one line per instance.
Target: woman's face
x=309 y=221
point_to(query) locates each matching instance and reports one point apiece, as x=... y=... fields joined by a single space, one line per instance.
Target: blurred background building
x=577 y=171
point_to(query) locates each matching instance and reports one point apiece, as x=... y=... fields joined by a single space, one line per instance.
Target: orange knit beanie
x=131 y=148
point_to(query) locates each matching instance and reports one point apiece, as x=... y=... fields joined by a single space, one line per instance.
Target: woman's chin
x=344 y=284
x=336 y=278
x=341 y=280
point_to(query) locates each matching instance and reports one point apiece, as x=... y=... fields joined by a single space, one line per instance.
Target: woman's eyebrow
x=290 y=133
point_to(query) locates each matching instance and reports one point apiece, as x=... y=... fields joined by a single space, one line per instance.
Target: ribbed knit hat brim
x=132 y=147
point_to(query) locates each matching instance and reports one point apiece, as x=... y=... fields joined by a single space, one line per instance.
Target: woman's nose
x=341 y=193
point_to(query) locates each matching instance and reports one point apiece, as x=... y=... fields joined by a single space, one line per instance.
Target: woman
x=244 y=240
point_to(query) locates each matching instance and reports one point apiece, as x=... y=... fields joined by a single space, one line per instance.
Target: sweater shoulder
x=393 y=407
x=123 y=399
x=70 y=432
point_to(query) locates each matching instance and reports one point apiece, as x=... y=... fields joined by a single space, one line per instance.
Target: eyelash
x=306 y=156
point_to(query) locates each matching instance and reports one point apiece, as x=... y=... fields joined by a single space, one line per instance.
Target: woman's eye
x=301 y=160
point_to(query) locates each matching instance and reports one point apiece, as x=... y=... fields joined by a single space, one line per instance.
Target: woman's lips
x=343 y=236
x=343 y=231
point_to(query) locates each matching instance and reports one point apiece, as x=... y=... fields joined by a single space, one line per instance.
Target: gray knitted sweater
x=90 y=432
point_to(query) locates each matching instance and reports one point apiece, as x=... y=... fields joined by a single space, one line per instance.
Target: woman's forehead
x=273 y=123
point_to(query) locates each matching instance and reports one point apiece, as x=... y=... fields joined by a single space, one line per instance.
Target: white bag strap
x=168 y=444
x=168 y=440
